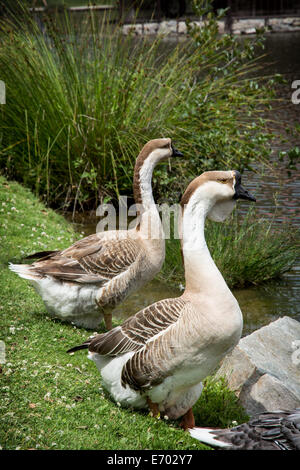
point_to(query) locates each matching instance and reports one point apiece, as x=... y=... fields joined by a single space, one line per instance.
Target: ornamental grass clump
x=248 y=250
x=83 y=98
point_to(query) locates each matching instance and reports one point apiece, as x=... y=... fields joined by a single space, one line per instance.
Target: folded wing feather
x=91 y=259
x=146 y=334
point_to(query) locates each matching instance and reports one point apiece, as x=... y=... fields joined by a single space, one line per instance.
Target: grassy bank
x=50 y=400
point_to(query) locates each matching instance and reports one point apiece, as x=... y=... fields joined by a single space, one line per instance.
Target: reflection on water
x=277 y=195
x=260 y=305
x=263 y=304
x=277 y=198
x=282 y=53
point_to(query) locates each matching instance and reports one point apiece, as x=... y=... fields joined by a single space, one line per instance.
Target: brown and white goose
x=159 y=357
x=84 y=282
x=277 y=430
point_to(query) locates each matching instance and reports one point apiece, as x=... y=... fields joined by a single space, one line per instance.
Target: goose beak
x=176 y=153
x=242 y=193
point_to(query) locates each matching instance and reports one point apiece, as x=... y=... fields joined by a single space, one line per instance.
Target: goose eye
x=222 y=180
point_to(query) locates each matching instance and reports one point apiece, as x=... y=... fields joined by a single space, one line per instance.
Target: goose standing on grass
x=85 y=282
x=159 y=357
x=277 y=430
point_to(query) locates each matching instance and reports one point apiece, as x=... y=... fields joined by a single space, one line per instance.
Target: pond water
x=277 y=196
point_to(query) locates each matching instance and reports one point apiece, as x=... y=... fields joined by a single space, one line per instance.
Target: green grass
x=83 y=98
x=248 y=250
x=50 y=400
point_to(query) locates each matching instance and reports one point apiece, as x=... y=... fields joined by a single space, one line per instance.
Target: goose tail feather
x=42 y=254
x=207 y=436
x=25 y=271
x=77 y=348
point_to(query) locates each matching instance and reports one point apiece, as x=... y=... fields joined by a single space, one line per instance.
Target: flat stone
x=199 y=24
x=136 y=29
x=182 y=29
x=151 y=28
x=221 y=26
x=284 y=24
x=269 y=389
x=167 y=27
x=249 y=31
x=264 y=368
x=288 y=20
x=244 y=25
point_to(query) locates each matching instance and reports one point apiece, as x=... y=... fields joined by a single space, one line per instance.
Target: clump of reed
x=82 y=98
x=248 y=250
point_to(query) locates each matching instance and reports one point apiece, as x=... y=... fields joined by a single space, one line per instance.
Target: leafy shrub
x=218 y=406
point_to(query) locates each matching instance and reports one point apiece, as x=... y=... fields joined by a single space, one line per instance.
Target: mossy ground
x=50 y=400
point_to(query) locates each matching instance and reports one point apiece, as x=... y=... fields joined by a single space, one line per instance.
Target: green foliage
x=83 y=98
x=218 y=407
x=291 y=158
x=247 y=250
x=48 y=399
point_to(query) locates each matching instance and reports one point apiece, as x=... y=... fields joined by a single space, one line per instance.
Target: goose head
x=152 y=153
x=218 y=192
x=157 y=150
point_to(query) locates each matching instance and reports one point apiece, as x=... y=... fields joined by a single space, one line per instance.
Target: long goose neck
x=201 y=273
x=150 y=227
x=142 y=181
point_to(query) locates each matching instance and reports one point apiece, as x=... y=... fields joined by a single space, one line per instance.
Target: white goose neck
x=150 y=224
x=201 y=273
x=145 y=181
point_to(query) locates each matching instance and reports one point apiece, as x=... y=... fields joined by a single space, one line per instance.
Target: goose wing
x=136 y=332
x=163 y=354
x=155 y=334
x=92 y=259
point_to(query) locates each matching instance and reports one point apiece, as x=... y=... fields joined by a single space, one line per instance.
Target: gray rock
x=168 y=27
x=151 y=28
x=264 y=368
x=182 y=29
x=284 y=24
x=136 y=29
x=221 y=27
x=247 y=25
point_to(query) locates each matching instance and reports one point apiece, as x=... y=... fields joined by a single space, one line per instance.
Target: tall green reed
x=82 y=98
x=247 y=249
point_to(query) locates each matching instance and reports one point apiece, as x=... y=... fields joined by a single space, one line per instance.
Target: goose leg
x=108 y=320
x=153 y=407
x=106 y=312
x=188 y=420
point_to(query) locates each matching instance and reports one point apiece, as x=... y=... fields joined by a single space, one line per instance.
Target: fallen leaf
x=78 y=398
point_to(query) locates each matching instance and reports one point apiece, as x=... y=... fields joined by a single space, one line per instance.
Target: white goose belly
x=70 y=302
x=175 y=395
x=180 y=391
x=111 y=371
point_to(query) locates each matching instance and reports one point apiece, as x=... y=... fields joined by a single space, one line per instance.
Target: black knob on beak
x=242 y=193
x=176 y=153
